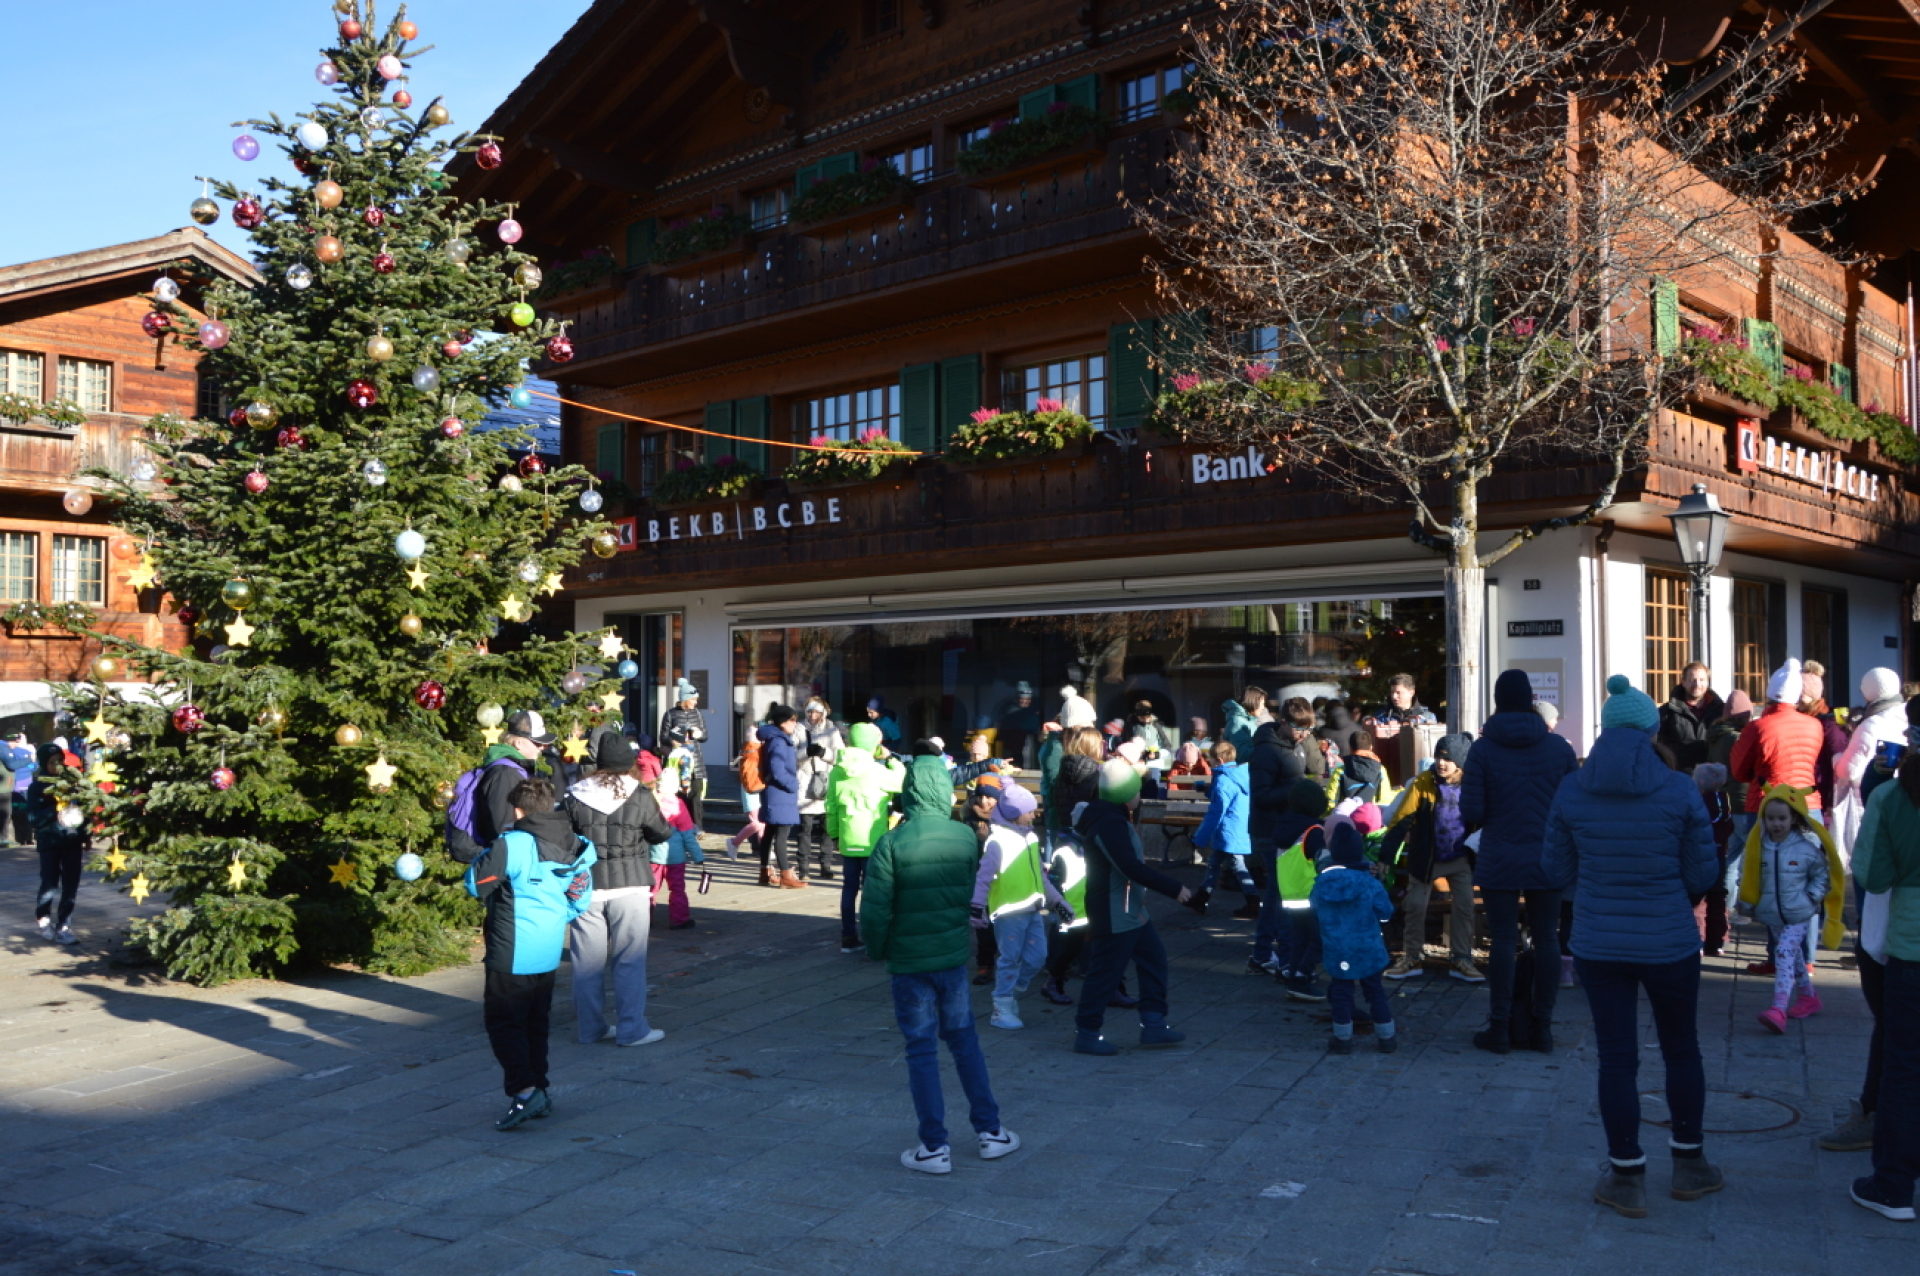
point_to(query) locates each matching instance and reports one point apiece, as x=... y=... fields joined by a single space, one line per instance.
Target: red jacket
x=1781 y=746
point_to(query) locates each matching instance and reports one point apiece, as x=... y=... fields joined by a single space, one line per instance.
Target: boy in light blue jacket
x=1224 y=831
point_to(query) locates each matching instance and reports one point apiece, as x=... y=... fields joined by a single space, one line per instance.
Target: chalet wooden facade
x=658 y=156
x=72 y=343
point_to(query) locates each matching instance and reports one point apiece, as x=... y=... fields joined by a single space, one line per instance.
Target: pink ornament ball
x=214 y=334
x=256 y=481
x=389 y=67
x=383 y=263
x=327 y=73
x=246 y=148
x=488 y=155
x=375 y=216
x=453 y=427
x=248 y=215
x=510 y=231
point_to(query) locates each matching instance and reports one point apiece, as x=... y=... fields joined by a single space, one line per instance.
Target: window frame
x=783 y=195
x=88 y=553
x=1669 y=640
x=38 y=360
x=29 y=574
x=1165 y=80
x=1090 y=394
x=807 y=411
x=78 y=394
x=907 y=149
x=1752 y=661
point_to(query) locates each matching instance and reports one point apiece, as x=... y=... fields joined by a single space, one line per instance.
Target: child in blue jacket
x=1350 y=904
x=534 y=881
x=1224 y=832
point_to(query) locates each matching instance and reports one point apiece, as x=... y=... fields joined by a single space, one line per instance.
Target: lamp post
x=1700 y=530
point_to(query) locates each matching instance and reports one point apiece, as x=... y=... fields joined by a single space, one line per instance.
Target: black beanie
x=1307 y=797
x=614 y=754
x=1453 y=747
x=1512 y=692
x=1346 y=847
x=926 y=749
x=780 y=715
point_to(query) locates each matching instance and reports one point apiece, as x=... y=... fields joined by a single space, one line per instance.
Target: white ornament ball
x=373 y=117
x=327 y=73
x=72 y=817
x=164 y=289
x=143 y=469
x=375 y=472
x=312 y=135
x=458 y=250
x=410 y=545
x=409 y=867
x=299 y=277
x=426 y=380
x=490 y=715
x=529 y=570
x=510 y=483
x=591 y=500
x=389 y=67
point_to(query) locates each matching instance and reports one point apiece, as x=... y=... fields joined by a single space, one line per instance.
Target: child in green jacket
x=860 y=791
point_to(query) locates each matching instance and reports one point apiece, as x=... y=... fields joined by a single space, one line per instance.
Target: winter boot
x=1339 y=1045
x=1093 y=1043
x=766 y=876
x=1055 y=993
x=1625 y=1194
x=1247 y=912
x=791 y=881
x=1694 y=1177
x=1154 y=1032
x=1198 y=901
x=1542 y=1037
x=1495 y=1038
x=1006 y=1013
x=1855 y=1134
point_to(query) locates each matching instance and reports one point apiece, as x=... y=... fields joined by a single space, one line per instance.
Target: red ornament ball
x=383 y=263
x=186 y=614
x=221 y=779
x=559 y=349
x=452 y=349
x=189 y=718
x=464 y=336
x=531 y=464
x=350 y=30
x=256 y=481
x=155 y=324
x=453 y=427
x=402 y=99
x=374 y=216
x=430 y=695
x=289 y=436
x=488 y=156
x=248 y=215
x=362 y=394
x=237 y=418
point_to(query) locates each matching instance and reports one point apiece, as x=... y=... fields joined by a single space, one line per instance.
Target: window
x=88 y=383
x=19 y=567
x=1140 y=94
x=20 y=374
x=1819 y=619
x=1080 y=383
x=847 y=416
x=972 y=137
x=915 y=162
x=210 y=401
x=878 y=17
x=768 y=209
x=1752 y=662
x=1666 y=612
x=653 y=460
x=79 y=569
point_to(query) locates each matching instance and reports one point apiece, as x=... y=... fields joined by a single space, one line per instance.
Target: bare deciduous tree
x=1426 y=232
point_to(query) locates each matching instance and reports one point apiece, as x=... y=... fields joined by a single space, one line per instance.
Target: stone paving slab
x=341 y=1123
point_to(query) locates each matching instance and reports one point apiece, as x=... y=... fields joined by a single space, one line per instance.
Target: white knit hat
x=1075 y=709
x=1786 y=686
x=1880 y=683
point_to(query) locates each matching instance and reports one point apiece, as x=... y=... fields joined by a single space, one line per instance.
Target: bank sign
x=738 y=523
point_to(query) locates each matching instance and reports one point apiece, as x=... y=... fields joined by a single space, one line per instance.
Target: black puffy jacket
x=1276 y=764
x=684 y=726
x=624 y=836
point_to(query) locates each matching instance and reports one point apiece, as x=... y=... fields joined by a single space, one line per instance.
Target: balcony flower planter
x=1078 y=450
x=581 y=280
x=1706 y=394
x=836 y=224
x=723 y=480
x=866 y=459
x=734 y=250
x=1091 y=148
x=1062 y=136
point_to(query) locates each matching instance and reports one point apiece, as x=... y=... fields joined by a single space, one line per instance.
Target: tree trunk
x=1466 y=597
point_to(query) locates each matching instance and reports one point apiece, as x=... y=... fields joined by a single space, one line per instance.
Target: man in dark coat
x=1688 y=716
x=1275 y=764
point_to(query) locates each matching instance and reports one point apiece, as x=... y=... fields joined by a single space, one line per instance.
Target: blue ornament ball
x=521 y=397
x=628 y=670
x=410 y=545
x=409 y=866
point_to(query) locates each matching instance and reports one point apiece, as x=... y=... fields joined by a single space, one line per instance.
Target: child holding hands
x=1787 y=879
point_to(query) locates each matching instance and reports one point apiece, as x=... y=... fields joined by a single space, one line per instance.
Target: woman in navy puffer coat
x=780 y=800
x=1635 y=836
x=1513 y=771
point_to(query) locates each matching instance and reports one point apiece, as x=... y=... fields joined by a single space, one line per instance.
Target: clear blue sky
x=118 y=103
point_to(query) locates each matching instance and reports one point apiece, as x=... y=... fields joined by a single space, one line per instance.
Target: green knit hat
x=1628 y=707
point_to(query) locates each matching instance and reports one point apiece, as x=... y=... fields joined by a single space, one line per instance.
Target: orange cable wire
x=714 y=434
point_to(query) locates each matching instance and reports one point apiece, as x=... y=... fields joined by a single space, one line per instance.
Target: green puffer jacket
x=858 y=790
x=913 y=910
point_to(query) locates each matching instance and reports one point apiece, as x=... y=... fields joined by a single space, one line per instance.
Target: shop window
x=79 y=569
x=1140 y=94
x=1752 y=662
x=915 y=162
x=87 y=382
x=1666 y=620
x=1823 y=637
x=19 y=567
x=879 y=17
x=768 y=209
x=1079 y=382
x=848 y=415
x=21 y=373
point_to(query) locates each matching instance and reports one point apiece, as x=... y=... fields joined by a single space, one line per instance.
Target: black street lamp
x=1700 y=530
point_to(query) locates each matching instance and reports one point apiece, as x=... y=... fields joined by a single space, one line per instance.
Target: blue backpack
x=463 y=841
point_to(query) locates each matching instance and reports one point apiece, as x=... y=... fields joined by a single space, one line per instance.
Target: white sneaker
x=1005 y=1014
x=65 y=935
x=998 y=1144
x=608 y=1033
x=937 y=1161
x=649 y=1039
x=46 y=928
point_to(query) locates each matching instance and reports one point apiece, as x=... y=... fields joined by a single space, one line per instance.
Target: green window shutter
x=804 y=179
x=1131 y=380
x=959 y=393
x=640 y=241
x=1764 y=340
x=1033 y=105
x=610 y=452
x=920 y=406
x=1666 y=317
x=839 y=165
x=720 y=421
x=1182 y=342
x=750 y=419
x=1084 y=91
x=1840 y=377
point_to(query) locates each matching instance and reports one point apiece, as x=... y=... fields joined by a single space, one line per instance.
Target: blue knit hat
x=1628 y=707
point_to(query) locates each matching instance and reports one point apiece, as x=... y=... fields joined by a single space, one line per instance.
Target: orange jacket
x=1781 y=746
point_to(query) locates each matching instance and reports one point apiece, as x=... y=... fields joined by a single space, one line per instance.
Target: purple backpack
x=463 y=842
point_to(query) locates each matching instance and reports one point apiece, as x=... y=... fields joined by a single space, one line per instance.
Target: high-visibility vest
x=1017 y=887
x=1295 y=872
x=1070 y=867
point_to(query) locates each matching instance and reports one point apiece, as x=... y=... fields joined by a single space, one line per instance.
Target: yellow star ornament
x=116 y=863
x=511 y=607
x=239 y=632
x=380 y=773
x=416 y=577
x=98 y=728
x=236 y=874
x=102 y=771
x=492 y=735
x=610 y=645
x=342 y=873
x=575 y=748
x=611 y=701
x=143 y=574
x=140 y=888
x=551 y=585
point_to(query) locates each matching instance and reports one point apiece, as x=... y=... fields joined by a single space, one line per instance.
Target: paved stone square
x=343 y=1124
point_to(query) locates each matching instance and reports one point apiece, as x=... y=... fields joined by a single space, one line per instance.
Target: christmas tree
x=359 y=567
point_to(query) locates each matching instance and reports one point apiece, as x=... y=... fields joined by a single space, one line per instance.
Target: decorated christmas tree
x=359 y=566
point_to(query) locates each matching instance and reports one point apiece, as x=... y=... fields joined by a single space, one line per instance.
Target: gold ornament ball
x=606 y=544
x=261 y=415
x=410 y=625
x=273 y=718
x=328 y=194
x=443 y=795
x=204 y=211
x=237 y=594
x=106 y=668
x=328 y=249
x=527 y=275
x=379 y=349
x=437 y=117
x=347 y=735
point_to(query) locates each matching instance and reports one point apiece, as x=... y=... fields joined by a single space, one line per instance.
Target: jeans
x=1896 y=1122
x=939 y=1003
x=1108 y=965
x=612 y=934
x=1237 y=864
x=1266 y=931
x=1873 y=986
x=59 y=879
x=1022 y=939
x=1340 y=1001
x=1459 y=877
x=853 y=875
x=1543 y=927
x=1613 y=992
x=1303 y=942
x=813 y=832
x=517 y=1009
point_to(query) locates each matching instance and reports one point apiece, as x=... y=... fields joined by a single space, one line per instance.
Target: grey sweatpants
x=612 y=934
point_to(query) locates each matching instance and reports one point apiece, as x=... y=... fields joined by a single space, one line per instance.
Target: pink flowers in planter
x=1185 y=381
x=1800 y=374
x=1441 y=345
x=1257 y=372
x=1048 y=405
x=873 y=435
x=981 y=416
x=1523 y=327
x=820 y=440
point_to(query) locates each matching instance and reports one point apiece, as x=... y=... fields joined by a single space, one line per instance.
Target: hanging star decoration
x=342 y=872
x=511 y=607
x=416 y=577
x=380 y=773
x=143 y=574
x=140 y=888
x=551 y=585
x=610 y=645
x=102 y=771
x=492 y=735
x=99 y=730
x=236 y=874
x=116 y=862
x=575 y=748
x=610 y=702
x=239 y=632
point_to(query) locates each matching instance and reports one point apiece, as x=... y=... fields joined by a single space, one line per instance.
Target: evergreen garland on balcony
x=1724 y=361
x=575 y=276
x=875 y=183
x=1195 y=402
x=705 y=234
x=1062 y=124
x=715 y=480
x=21 y=408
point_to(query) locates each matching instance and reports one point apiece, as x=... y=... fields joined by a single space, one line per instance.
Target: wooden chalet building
x=656 y=156
x=81 y=380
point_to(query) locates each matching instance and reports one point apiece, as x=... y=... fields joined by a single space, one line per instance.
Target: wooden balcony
x=41 y=458
x=956 y=245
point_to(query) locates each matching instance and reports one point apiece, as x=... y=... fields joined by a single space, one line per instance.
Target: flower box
x=1091 y=148
x=738 y=249
x=1706 y=394
x=885 y=210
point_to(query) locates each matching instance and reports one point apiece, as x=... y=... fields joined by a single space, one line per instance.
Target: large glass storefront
x=951 y=677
